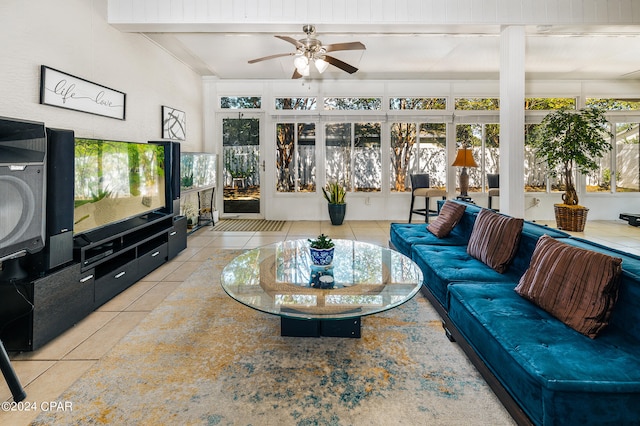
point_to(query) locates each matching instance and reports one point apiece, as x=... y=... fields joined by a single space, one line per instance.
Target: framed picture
x=64 y=90
x=174 y=124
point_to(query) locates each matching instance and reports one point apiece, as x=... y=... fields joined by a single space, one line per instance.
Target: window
x=418 y=152
x=477 y=104
x=417 y=103
x=548 y=104
x=484 y=141
x=352 y=104
x=353 y=155
x=295 y=157
x=627 y=150
x=240 y=102
x=299 y=104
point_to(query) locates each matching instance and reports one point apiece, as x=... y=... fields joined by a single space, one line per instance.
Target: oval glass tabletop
x=280 y=279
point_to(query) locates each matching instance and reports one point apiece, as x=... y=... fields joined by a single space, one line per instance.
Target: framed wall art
x=174 y=124
x=64 y=90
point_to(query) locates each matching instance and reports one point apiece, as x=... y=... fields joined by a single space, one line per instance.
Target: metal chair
x=420 y=188
x=493 y=181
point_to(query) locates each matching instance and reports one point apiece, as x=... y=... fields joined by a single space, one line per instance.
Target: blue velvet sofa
x=544 y=372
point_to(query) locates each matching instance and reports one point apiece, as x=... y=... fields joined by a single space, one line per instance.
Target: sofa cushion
x=403 y=236
x=556 y=374
x=577 y=286
x=442 y=265
x=450 y=215
x=626 y=313
x=494 y=239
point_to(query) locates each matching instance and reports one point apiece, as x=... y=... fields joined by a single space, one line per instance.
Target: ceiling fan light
x=321 y=65
x=301 y=62
x=304 y=71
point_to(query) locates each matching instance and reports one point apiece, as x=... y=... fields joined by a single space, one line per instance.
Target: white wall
x=73 y=36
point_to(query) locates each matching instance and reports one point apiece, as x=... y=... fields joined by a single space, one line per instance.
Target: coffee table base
x=316 y=328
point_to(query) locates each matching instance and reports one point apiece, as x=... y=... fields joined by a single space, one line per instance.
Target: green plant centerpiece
x=321 y=249
x=566 y=140
x=335 y=194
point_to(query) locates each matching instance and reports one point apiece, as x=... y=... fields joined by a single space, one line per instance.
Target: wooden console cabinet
x=106 y=262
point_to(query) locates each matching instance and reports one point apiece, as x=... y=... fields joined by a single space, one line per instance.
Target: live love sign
x=67 y=91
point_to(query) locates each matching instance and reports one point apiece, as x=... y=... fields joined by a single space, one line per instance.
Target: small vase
x=321 y=256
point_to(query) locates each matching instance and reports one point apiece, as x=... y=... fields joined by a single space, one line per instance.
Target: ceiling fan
x=310 y=50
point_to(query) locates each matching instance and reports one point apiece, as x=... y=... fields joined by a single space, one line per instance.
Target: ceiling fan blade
x=296 y=74
x=356 y=45
x=264 y=58
x=291 y=40
x=340 y=64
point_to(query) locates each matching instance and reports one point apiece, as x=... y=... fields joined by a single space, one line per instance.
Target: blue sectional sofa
x=543 y=371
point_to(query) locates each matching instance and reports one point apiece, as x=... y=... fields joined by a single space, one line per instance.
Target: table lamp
x=464 y=159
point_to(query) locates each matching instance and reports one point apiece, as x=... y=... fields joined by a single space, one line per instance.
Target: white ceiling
x=411 y=52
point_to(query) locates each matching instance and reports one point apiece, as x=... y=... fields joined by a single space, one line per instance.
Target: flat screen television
x=116 y=181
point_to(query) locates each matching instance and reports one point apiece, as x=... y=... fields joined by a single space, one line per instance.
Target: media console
x=106 y=262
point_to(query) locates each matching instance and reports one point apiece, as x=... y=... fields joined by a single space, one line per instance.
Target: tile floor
x=48 y=372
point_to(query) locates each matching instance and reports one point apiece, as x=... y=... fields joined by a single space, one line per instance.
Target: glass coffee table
x=280 y=279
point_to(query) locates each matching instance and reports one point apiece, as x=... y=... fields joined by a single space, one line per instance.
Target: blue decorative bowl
x=321 y=256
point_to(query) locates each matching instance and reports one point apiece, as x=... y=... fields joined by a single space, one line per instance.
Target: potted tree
x=568 y=139
x=335 y=194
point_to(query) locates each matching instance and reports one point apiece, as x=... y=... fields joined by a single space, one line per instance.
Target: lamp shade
x=464 y=158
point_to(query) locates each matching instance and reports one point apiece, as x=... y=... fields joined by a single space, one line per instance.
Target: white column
x=512 y=45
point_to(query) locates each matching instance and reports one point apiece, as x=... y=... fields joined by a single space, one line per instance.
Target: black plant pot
x=336 y=213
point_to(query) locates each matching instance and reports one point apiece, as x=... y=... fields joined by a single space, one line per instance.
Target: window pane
x=403 y=138
x=600 y=179
x=300 y=104
x=492 y=149
x=367 y=162
x=306 y=157
x=477 y=104
x=417 y=103
x=471 y=136
x=539 y=104
x=295 y=157
x=338 y=153
x=240 y=102
x=627 y=157
x=352 y=103
x=432 y=158
x=285 y=149
x=615 y=104
x=535 y=176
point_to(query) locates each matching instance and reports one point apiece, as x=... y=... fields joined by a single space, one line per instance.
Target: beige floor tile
x=182 y=272
x=104 y=339
x=27 y=372
x=127 y=297
x=63 y=344
x=152 y=298
x=226 y=241
x=168 y=268
x=47 y=387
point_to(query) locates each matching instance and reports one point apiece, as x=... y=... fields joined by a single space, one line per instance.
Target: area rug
x=249 y=225
x=201 y=358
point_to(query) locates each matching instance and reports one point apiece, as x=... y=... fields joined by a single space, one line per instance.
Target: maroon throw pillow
x=450 y=215
x=577 y=286
x=495 y=239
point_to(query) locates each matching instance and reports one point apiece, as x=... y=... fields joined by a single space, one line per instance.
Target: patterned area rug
x=248 y=225
x=202 y=358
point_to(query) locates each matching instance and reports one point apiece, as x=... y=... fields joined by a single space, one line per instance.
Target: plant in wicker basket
x=568 y=139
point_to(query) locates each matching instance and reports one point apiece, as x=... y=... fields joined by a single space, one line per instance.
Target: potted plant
x=321 y=250
x=335 y=194
x=568 y=139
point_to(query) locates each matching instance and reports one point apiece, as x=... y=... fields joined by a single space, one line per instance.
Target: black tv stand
x=106 y=262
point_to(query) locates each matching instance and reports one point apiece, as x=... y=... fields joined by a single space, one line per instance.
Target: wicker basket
x=571 y=218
